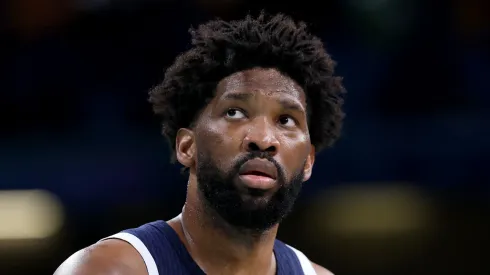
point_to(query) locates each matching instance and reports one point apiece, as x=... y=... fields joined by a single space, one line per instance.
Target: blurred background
x=405 y=191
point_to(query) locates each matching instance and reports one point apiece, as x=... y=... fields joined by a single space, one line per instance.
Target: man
x=245 y=110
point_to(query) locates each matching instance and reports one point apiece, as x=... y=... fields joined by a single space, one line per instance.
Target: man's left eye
x=287 y=121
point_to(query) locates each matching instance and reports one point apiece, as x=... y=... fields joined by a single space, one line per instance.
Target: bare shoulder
x=320 y=270
x=112 y=256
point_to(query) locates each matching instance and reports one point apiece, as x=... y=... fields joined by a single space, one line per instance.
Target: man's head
x=246 y=109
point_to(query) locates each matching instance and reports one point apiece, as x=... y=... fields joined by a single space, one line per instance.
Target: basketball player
x=245 y=111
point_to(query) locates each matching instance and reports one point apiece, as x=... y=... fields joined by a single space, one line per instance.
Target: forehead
x=269 y=81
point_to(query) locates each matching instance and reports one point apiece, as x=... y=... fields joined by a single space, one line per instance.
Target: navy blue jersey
x=164 y=253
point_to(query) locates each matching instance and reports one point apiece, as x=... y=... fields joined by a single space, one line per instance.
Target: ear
x=310 y=160
x=185 y=148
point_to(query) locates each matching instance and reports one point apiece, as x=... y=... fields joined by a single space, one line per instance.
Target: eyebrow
x=284 y=102
x=237 y=96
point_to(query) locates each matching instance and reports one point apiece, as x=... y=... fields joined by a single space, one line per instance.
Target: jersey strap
x=304 y=261
x=151 y=266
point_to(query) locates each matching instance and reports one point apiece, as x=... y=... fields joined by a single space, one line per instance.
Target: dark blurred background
x=405 y=191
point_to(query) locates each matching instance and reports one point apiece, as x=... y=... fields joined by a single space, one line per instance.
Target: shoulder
x=111 y=256
x=320 y=270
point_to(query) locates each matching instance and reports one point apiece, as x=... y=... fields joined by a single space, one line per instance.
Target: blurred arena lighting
x=380 y=209
x=29 y=215
x=380 y=226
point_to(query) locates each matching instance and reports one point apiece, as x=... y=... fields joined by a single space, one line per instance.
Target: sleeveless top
x=164 y=253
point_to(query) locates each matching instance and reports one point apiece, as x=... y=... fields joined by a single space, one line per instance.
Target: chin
x=255 y=202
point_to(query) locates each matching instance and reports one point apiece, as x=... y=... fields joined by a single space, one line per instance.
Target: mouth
x=254 y=181
x=258 y=174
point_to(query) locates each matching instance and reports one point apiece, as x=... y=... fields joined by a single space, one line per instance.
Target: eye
x=234 y=113
x=287 y=121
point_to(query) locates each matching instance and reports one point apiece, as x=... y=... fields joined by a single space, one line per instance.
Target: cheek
x=294 y=151
x=295 y=143
x=216 y=140
x=216 y=135
x=296 y=139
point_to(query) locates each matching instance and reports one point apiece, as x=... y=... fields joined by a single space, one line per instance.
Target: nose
x=261 y=137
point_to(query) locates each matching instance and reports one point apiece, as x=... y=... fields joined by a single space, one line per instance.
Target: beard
x=244 y=208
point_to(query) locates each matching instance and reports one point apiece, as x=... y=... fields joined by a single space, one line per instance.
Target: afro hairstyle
x=221 y=48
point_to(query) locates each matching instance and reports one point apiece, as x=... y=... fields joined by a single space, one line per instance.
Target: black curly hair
x=222 y=48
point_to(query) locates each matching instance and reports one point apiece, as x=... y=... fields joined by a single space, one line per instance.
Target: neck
x=219 y=247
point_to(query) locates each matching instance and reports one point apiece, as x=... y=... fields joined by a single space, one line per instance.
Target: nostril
x=252 y=146
x=271 y=149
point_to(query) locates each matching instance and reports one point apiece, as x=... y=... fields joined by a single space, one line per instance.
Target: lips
x=259 y=174
x=259 y=167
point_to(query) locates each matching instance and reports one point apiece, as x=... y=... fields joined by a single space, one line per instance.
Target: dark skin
x=254 y=108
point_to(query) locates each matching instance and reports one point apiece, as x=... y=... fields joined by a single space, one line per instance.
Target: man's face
x=253 y=148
